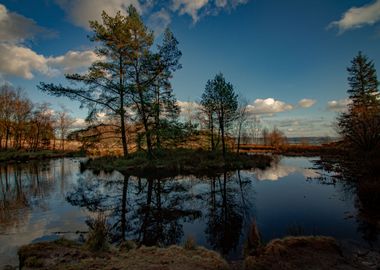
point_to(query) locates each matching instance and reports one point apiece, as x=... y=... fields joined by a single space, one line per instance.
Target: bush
x=190 y=243
x=99 y=234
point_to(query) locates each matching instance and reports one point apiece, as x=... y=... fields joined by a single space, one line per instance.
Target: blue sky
x=288 y=58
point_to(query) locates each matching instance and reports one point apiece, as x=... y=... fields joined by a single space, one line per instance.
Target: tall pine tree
x=360 y=125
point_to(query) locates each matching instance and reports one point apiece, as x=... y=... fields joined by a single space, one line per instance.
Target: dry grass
x=67 y=255
x=304 y=253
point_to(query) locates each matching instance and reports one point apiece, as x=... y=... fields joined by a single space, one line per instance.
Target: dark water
x=45 y=200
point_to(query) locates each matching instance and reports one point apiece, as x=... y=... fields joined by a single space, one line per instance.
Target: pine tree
x=363 y=82
x=360 y=125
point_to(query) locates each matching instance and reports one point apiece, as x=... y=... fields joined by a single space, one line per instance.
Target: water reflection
x=38 y=199
x=362 y=181
x=32 y=205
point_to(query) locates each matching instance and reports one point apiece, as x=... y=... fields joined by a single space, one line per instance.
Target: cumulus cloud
x=306 y=103
x=80 y=12
x=15 y=28
x=269 y=106
x=20 y=61
x=72 y=61
x=338 y=105
x=16 y=59
x=357 y=17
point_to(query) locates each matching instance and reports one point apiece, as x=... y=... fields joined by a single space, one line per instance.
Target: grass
x=65 y=255
x=97 y=239
x=302 y=252
x=178 y=161
x=23 y=155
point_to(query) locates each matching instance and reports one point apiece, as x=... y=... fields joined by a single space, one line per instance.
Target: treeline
x=130 y=83
x=25 y=125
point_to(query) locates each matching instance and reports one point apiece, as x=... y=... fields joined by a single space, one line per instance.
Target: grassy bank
x=65 y=254
x=304 y=253
x=178 y=161
x=22 y=155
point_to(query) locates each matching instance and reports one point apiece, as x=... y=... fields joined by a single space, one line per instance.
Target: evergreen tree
x=219 y=97
x=363 y=82
x=360 y=125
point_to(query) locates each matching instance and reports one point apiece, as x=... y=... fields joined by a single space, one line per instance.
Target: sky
x=287 y=58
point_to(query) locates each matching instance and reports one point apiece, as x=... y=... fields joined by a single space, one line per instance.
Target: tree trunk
x=123 y=135
x=239 y=135
x=124 y=208
x=122 y=111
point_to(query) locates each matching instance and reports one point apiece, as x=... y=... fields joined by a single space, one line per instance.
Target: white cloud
x=306 y=103
x=269 y=106
x=80 y=12
x=302 y=126
x=72 y=61
x=79 y=123
x=190 y=7
x=20 y=61
x=198 y=8
x=159 y=21
x=357 y=17
x=15 y=28
x=188 y=105
x=338 y=105
x=16 y=59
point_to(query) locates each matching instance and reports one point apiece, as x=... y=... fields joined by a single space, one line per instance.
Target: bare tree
x=241 y=118
x=64 y=122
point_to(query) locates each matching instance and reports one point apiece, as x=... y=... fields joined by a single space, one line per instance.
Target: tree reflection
x=226 y=214
x=24 y=186
x=150 y=211
x=360 y=181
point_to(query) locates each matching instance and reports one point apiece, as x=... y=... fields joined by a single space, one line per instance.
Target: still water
x=45 y=200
